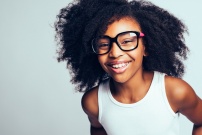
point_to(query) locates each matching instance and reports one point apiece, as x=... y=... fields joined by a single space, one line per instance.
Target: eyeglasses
x=126 y=41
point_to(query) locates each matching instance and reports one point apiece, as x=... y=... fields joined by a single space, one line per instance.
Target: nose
x=115 y=51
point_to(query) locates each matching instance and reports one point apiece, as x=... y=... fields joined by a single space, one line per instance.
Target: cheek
x=143 y=48
x=101 y=60
x=138 y=53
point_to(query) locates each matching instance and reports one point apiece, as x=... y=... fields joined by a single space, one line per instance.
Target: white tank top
x=152 y=115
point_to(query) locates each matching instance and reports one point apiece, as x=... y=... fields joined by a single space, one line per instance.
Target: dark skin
x=133 y=84
x=90 y=107
x=97 y=131
x=181 y=97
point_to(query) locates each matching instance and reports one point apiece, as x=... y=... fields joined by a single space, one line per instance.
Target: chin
x=119 y=79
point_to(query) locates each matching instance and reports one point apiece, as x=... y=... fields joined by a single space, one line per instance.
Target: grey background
x=36 y=97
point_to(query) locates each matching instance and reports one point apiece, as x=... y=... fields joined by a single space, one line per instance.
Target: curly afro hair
x=79 y=22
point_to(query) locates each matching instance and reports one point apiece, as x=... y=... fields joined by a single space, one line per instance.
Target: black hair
x=82 y=20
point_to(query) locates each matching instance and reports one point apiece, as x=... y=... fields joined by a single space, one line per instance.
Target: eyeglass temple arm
x=141 y=34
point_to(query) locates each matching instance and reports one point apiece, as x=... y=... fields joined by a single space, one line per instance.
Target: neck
x=134 y=89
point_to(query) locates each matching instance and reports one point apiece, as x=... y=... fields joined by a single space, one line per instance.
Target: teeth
x=120 y=65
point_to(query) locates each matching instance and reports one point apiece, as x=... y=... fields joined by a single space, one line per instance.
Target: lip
x=118 y=66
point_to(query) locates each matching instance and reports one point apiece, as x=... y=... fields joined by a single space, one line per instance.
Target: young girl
x=127 y=58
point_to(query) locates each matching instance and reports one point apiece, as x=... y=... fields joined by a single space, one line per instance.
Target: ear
x=145 y=52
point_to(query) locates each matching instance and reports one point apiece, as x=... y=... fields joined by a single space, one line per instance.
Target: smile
x=121 y=65
x=118 y=67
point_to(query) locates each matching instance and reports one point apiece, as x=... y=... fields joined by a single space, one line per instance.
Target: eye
x=126 y=41
x=103 y=45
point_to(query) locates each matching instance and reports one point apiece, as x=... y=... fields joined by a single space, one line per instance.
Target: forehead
x=122 y=25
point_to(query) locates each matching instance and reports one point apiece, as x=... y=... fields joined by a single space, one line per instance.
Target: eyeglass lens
x=126 y=41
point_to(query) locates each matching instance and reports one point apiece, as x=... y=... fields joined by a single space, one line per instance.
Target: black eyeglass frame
x=139 y=34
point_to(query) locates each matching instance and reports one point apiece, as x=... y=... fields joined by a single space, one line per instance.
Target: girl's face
x=122 y=65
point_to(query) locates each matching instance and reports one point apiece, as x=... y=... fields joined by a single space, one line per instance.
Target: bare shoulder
x=90 y=106
x=178 y=89
x=183 y=98
x=90 y=101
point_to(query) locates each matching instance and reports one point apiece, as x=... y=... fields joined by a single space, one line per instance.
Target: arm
x=192 y=109
x=96 y=128
x=90 y=107
x=97 y=131
x=197 y=130
x=183 y=99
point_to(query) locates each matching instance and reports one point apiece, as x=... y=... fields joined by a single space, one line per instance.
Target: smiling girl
x=127 y=58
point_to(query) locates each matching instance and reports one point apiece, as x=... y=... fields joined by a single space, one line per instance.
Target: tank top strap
x=164 y=95
x=102 y=94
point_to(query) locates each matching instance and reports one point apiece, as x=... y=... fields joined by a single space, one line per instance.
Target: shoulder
x=177 y=87
x=183 y=99
x=177 y=91
x=180 y=94
x=90 y=101
x=90 y=106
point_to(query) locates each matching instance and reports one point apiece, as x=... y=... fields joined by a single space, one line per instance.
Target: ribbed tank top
x=152 y=115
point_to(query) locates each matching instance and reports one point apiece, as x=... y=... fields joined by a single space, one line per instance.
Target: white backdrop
x=36 y=97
